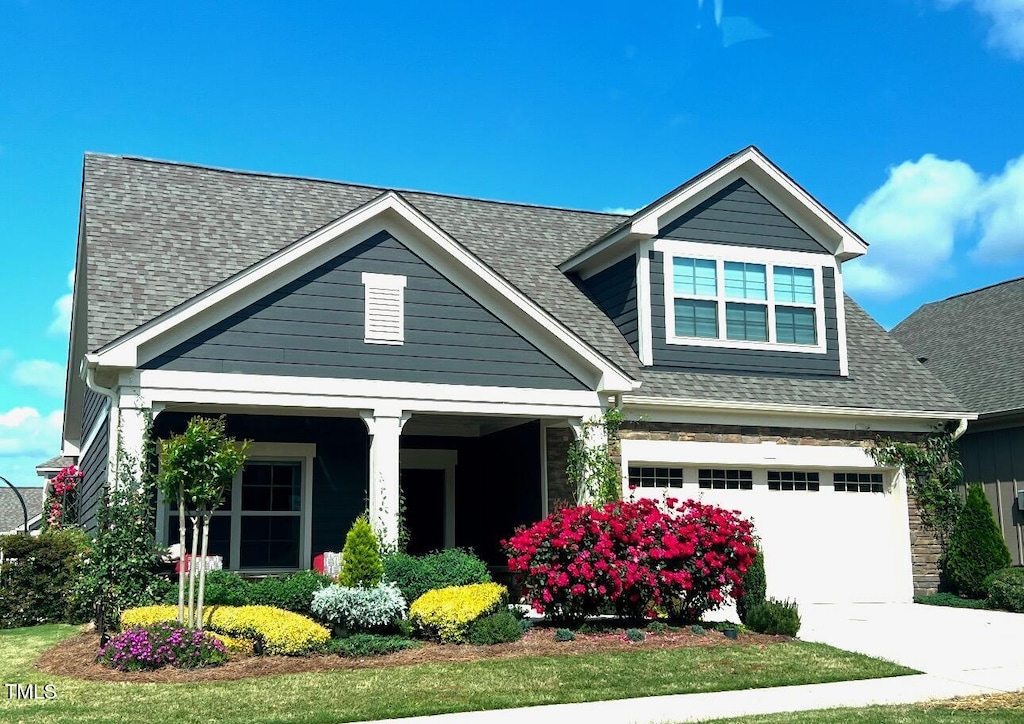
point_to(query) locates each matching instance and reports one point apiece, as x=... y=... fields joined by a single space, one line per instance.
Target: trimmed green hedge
x=37 y=586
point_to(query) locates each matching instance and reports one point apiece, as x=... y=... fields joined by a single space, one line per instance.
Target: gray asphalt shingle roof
x=973 y=342
x=11 y=516
x=159 y=233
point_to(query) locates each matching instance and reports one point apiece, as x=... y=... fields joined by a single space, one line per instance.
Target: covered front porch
x=428 y=480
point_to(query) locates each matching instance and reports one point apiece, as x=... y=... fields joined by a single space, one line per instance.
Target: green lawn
x=1007 y=708
x=416 y=690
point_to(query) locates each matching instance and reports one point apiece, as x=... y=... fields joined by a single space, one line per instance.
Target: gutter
x=733 y=406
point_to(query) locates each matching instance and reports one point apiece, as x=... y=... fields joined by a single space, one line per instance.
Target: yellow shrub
x=235 y=645
x=279 y=631
x=446 y=613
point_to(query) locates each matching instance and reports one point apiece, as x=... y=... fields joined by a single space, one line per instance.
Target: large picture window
x=739 y=303
x=263 y=523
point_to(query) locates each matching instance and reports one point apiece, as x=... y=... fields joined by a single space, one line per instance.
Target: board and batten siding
x=742 y=361
x=614 y=291
x=94 y=466
x=995 y=458
x=313 y=327
x=740 y=216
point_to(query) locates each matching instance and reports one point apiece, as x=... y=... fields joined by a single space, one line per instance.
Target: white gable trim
x=767 y=178
x=388 y=212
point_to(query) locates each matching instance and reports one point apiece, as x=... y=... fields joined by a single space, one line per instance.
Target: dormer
x=738 y=270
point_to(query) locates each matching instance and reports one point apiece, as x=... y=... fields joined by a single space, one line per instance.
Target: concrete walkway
x=962 y=652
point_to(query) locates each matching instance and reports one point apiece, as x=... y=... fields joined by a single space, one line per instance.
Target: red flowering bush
x=60 y=499
x=683 y=558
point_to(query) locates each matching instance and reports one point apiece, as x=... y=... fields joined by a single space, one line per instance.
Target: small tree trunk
x=181 y=557
x=192 y=572
x=202 y=569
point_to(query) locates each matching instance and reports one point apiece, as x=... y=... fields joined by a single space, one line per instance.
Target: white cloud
x=1006 y=31
x=911 y=223
x=39 y=374
x=914 y=221
x=61 y=324
x=624 y=210
x=27 y=438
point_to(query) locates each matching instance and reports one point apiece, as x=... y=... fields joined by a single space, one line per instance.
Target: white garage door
x=829 y=535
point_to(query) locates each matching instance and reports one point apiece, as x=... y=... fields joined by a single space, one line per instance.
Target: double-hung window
x=754 y=303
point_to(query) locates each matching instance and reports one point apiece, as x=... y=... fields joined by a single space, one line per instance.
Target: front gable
x=314 y=326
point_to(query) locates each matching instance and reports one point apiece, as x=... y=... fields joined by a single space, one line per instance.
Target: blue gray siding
x=740 y=216
x=614 y=291
x=996 y=459
x=94 y=404
x=742 y=361
x=313 y=327
x=94 y=465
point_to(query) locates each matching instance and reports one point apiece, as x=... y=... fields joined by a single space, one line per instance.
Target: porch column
x=127 y=433
x=593 y=435
x=385 y=428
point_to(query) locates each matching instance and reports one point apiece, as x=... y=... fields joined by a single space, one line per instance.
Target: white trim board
x=389 y=212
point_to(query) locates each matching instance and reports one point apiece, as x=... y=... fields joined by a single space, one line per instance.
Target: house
x=12 y=515
x=433 y=355
x=972 y=343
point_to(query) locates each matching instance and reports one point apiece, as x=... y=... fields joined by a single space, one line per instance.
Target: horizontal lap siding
x=313 y=327
x=740 y=216
x=94 y=403
x=996 y=459
x=743 y=361
x=614 y=291
x=94 y=466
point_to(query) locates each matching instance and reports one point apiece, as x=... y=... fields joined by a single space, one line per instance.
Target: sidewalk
x=717 y=705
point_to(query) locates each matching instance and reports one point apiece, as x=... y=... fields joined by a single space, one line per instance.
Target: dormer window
x=743 y=298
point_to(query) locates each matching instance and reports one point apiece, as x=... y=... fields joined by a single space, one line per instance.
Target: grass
x=984 y=709
x=952 y=600
x=423 y=689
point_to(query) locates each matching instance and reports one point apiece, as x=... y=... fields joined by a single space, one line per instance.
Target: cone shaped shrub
x=976 y=546
x=361 y=566
x=755 y=587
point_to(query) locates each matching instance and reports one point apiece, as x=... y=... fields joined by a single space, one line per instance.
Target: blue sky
x=906 y=118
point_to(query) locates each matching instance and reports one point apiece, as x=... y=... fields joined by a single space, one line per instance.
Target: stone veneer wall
x=925 y=548
x=558 y=440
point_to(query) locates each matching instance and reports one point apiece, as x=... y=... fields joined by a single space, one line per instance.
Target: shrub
x=415 y=575
x=360 y=558
x=224 y=588
x=38 y=586
x=563 y=634
x=368 y=644
x=635 y=635
x=754 y=586
x=446 y=613
x=360 y=609
x=272 y=630
x=292 y=592
x=697 y=629
x=639 y=555
x=774 y=617
x=162 y=644
x=500 y=627
x=1006 y=589
x=976 y=547
x=657 y=627
x=951 y=600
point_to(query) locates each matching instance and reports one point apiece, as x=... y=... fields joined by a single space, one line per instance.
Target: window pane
x=694 y=276
x=793 y=284
x=269 y=541
x=220 y=535
x=747 y=322
x=795 y=325
x=745 y=281
x=271 y=486
x=695 y=318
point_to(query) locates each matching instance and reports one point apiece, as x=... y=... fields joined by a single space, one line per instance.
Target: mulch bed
x=75 y=657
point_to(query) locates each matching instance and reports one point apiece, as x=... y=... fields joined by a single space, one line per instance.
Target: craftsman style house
x=381 y=345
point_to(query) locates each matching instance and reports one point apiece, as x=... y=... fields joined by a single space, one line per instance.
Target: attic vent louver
x=384 y=318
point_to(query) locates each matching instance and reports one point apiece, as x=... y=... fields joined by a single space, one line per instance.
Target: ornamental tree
x=976 y=546
x=196 y=468
x=640 y=556
x=361 y=566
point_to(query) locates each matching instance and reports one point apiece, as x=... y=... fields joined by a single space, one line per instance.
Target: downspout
x=960 y=429
x=88 y=374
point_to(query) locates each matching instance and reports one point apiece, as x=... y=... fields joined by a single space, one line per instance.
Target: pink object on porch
x=327 y=563
x=213 y=563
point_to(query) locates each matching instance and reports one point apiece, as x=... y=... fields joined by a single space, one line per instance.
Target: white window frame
x=671 y=249
x=277 y=452
x=394 y=284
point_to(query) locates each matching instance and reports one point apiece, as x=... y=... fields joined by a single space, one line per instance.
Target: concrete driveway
x=979 y=647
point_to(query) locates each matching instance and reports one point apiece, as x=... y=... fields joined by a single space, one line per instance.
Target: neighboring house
x=973 y=342
x=381 y=346
x=12 y=515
